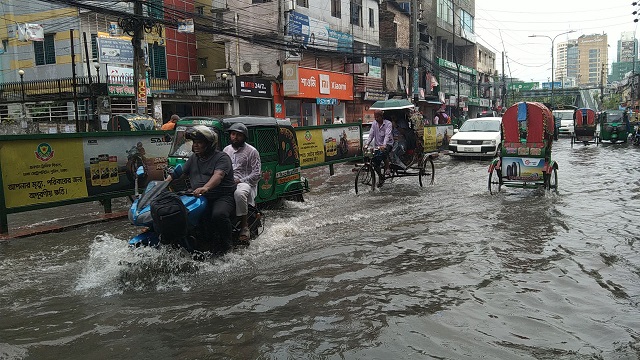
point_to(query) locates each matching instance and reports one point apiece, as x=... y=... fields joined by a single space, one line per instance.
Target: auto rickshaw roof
x=248 y=120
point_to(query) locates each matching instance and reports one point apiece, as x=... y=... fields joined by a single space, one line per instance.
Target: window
x=371 y=18
x=202 y=62
x=200 y=10
x=466 y=21
x=94 y=47
x=155 y=9
x=5 y=44
x=356 y=12
x=158 y=61
x=45 y=51
x=303 y=3
x=336 y=8
x=445 y=11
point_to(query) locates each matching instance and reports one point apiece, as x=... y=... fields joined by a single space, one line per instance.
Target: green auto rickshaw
x=614 y=126
x=275 y=140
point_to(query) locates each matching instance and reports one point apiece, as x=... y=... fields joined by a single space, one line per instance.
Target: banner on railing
x=45 y=170
x=322 y=145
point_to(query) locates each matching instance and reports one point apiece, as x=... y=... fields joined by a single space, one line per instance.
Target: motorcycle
x=178 y=218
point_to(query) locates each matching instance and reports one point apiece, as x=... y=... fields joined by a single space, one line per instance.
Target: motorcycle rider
x=211 y=175
x=246 y=171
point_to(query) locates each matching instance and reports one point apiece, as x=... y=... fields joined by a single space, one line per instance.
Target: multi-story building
x=593 y=61
x=627 y=56
x=455 y=52
x=582 y=61
x=567 y=61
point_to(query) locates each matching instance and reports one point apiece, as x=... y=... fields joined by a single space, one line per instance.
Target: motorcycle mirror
x=140 y=171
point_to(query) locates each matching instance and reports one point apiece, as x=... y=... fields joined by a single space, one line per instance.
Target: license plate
x=468 y=149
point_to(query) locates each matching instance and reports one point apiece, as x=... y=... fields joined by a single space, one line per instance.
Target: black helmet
x=239 y=127
x=201 y=132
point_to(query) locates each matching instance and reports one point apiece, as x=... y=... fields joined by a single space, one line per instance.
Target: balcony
x=62 y=89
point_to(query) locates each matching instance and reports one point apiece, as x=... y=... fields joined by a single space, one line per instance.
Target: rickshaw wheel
x=427 y=169
x=495 y=181
x=572 y=141
x=366 y=178
x=551 y=181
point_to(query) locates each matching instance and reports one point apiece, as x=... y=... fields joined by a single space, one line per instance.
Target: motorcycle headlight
x=453 y=142
x=489 y=142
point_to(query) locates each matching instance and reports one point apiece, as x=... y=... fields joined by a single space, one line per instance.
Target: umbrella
x=392 y=104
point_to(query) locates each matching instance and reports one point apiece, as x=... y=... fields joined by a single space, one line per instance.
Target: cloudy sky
x=505 y=25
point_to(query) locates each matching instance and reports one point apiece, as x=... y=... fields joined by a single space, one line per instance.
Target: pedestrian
x=171 y=124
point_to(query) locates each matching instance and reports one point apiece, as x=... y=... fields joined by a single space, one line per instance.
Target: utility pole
x=504 y=86
x=139 y=68
x=73 y=75
x=414 y=44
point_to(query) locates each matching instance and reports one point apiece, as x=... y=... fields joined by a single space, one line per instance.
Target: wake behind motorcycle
x=178 y=219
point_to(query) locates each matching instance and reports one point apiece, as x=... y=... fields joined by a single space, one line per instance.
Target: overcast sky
x=505 y=25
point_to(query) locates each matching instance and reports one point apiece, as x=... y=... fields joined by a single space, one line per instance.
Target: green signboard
x=523 y=86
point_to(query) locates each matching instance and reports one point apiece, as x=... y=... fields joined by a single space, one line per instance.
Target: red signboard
x=314 y=83
x=142 y=92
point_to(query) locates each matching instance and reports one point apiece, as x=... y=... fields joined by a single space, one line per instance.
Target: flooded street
x=447 y=271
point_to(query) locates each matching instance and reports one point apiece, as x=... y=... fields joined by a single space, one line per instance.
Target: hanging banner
x=30 y=32
x=185 y=26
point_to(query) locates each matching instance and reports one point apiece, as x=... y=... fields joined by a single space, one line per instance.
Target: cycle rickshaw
x=584 y=126
x=415 y=162
x=525 y=157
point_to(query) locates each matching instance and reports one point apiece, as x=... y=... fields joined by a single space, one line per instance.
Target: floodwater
x=447 y=271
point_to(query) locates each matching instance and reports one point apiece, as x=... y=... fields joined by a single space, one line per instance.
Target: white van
x=565 y=117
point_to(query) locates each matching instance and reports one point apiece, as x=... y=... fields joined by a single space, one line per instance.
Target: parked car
x=477 y=138
x=565 y=118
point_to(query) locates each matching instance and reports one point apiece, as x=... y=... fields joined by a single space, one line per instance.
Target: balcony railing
x=59 y=89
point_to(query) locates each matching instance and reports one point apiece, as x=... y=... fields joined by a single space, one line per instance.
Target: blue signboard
x=317 y=33
x=326 y=101
x=556 y=85
x=115 y=51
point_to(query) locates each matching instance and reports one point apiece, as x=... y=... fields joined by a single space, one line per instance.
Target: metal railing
x=58 y=89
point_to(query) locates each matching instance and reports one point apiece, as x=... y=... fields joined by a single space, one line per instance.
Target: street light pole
x=553 y=39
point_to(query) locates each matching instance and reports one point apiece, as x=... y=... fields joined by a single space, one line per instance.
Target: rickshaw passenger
x=399 y=144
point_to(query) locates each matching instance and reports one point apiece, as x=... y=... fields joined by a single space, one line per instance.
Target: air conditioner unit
x=250 y=67
x=219 y=5
x=196 y=78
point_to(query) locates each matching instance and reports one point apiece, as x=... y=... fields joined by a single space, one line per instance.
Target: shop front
x=310 y=97
x=253 y=96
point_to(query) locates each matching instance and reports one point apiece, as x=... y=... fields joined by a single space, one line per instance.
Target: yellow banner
x=430 y=138
x=310 y=146
x=42 y=171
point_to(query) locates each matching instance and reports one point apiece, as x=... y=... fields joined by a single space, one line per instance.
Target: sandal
x=244 y=234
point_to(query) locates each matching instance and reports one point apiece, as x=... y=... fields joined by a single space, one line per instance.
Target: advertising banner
x=115 y=51
x=110 y=163
x=317 y=33
x=341 y=142
x=41 y=171
x=311 y=147
x=320 y=145
x=49 y=170
x=523 y=169
x=436 y=137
